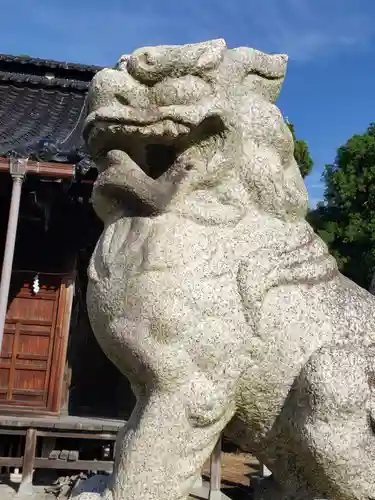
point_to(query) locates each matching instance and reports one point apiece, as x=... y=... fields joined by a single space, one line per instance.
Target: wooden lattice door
x=30 y=360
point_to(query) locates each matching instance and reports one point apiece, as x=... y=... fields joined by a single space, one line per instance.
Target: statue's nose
x=111 y=87
x=149 y=65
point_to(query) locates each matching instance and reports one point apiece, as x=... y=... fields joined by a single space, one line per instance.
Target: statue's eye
x=186 y=89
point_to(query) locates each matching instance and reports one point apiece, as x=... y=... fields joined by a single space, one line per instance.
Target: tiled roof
x=42 y=107
x=49 y=64
x=45 y=81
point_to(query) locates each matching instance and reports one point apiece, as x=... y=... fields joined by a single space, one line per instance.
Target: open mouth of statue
x=141 y=165
x=154 y=148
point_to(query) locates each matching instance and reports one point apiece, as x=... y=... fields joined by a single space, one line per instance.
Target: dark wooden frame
x=28 y=462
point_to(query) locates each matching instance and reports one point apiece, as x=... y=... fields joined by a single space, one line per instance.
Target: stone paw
x=94 y=488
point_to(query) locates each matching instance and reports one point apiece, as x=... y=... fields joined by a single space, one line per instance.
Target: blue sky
x=329 y=91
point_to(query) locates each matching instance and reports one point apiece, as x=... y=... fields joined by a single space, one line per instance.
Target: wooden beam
x=46 y=463
x=12 y=432
x=82 y=465
x=11 y=461
x=44 y=169
x=78 y=435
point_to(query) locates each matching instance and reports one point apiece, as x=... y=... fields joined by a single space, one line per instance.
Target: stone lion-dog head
x=171 y=122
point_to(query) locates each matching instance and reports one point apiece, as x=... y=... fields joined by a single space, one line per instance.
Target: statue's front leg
x=163 y=449
x=329 y=418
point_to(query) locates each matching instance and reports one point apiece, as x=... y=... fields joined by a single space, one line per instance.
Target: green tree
x=346 y=218
x=301 y=153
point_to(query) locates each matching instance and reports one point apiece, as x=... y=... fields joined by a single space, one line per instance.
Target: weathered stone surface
x=209 y=290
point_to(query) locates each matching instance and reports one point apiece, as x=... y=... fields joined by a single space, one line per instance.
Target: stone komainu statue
x=209 y=290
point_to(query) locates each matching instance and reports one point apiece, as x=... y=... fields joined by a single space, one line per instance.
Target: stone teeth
x=158 y=129
x=170 y=128
x=182 y=129
x=155 y=129
x=167 y=127
x=145 y=130
x=131 y=129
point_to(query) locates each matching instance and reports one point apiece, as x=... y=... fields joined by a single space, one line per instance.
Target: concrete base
x=8 y=492
x=26 y=488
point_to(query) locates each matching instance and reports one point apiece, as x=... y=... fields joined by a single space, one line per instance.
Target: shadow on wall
x=97 y=388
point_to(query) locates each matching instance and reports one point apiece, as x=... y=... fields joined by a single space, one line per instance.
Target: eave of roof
x=49 y=63
x=45 y=73
x=42 y=81
x=42 y=107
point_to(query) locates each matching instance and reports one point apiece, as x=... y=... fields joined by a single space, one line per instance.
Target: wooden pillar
x=215 y=473
x=64 y=386
x=17 y=170
x=26 y=486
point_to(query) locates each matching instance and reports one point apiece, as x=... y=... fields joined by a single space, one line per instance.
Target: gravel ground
x=236 y=471
x=9 y=493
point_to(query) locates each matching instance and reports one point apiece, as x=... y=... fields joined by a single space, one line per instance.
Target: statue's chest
x=166 y=244
x=144 y=261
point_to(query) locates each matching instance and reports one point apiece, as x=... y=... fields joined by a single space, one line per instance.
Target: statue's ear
x=270 y=66
x=268 y=89
x=211 y=55
x=265 y=73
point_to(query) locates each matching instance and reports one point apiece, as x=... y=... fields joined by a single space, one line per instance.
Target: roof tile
x=41 y=114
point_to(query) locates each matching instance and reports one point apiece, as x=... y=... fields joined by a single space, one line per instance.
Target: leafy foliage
x=301 y=153
x=346 y=219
